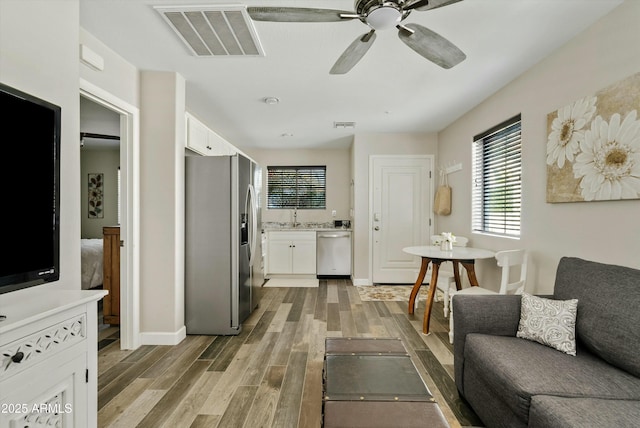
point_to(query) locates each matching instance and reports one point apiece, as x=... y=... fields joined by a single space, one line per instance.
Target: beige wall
x=608 y=232
x=39 y=56
x=93 y=160
x=119 y=77
x=157 y=169
x=338 y=181
x=162 y=134
x=106 y=162
x=365 y=145
x=48 y=67
x=45 y=66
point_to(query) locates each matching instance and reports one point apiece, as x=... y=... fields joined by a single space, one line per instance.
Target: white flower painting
x=593 y=146
x=567 y=130
x=609 y=163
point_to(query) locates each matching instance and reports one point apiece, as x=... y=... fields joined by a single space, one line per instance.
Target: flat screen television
x=29 y=190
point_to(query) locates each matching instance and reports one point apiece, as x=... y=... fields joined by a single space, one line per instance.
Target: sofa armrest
x=487 y=314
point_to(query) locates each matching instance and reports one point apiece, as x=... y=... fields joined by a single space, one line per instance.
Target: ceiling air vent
x=214 y=30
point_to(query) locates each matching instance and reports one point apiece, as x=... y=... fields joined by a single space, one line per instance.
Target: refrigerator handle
x=253 y=222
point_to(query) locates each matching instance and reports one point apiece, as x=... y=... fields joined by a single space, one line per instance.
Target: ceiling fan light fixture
x=384 y=17
x=377 y=15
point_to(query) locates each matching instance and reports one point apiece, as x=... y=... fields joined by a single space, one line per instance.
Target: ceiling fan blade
x=353 y=53
x=299 y=14
x=431 y=45
x=429 y=4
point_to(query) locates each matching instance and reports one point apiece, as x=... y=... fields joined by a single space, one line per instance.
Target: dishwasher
x=333 y=254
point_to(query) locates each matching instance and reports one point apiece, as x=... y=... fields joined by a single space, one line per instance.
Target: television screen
x=29 y=190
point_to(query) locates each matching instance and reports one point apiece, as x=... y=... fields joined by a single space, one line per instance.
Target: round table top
x=457 y=253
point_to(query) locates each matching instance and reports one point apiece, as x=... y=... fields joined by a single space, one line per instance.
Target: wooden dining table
x=465 y=256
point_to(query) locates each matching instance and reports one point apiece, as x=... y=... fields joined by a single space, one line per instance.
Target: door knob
x=376 y=228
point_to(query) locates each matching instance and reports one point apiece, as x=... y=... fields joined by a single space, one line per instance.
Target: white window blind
x=497 y=179
x=291 y=187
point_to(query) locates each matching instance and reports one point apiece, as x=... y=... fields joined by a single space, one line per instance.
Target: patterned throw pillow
x=550 y=322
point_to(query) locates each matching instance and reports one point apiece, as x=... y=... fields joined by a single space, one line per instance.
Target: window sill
x=496 y=235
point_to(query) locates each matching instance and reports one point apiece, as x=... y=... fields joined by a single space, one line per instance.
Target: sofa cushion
x=549 y=321
x=608 y=314
x=547 y=411
x=518 y=369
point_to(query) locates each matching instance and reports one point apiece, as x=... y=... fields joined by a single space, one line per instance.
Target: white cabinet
x=48 y=358
x=204 y=141
x=220 y=146
x=291 y=252
x=197 y=136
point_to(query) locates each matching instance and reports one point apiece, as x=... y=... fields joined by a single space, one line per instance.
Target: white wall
x=338 y=166
x=608 y=231
x=365 y=145
x=39 y=56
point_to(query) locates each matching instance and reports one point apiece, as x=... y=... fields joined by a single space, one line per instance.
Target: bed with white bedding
x=92 y=265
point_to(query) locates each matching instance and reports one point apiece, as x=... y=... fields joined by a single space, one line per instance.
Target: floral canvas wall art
x=593 y=146
x=96 y=194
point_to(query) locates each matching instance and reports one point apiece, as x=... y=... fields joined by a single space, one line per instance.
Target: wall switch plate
x=333 y=213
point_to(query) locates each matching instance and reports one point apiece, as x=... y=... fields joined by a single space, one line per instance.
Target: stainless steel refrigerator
x=223 y=275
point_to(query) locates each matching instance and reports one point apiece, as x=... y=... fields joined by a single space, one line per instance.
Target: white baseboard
x=361 y=281
x=162 y=338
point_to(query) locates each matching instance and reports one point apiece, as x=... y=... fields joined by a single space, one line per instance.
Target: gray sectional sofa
x=515 y=382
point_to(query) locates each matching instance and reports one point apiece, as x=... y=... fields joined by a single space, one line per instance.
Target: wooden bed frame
x=111 y=277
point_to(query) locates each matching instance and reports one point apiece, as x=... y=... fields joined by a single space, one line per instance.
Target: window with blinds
x=302 y=187
x=497 y=180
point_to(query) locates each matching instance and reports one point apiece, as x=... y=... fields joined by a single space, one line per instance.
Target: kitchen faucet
x=295 y=217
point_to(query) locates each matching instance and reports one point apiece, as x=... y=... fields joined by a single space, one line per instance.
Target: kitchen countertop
x=303 y=227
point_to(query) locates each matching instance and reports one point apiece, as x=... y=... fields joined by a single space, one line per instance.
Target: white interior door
x=400 y=189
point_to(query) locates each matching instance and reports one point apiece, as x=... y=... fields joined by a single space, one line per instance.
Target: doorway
x=100 y=196
x=400 y=215
x=128 y=207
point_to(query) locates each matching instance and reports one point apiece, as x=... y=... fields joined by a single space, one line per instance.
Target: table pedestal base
x=469 y=266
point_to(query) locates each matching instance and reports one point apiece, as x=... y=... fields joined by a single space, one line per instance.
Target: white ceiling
x=392 y=89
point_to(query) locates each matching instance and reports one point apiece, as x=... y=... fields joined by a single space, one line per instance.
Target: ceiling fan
x=378 y=15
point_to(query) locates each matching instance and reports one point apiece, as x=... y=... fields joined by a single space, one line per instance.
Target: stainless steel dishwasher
x=333 y=254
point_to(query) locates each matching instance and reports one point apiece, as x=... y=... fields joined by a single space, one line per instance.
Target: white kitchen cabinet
x=197 y=136
x=291 y=252
x=48 y=358
x=204 y=141
x=220 y=146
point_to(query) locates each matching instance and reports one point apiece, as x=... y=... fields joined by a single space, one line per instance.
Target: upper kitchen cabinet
x=204 y=141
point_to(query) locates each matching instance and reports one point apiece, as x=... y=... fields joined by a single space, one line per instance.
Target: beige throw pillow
x=550 y=322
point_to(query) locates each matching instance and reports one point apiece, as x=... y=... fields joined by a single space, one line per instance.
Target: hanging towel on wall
x=442 y=203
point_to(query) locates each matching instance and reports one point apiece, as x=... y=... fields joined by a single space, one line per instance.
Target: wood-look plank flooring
x=270 y=375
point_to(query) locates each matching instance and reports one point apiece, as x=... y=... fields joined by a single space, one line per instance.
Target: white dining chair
x=506 y=260
x=446 y=277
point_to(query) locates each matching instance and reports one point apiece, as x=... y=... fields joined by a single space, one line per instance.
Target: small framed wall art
x=96 y=195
